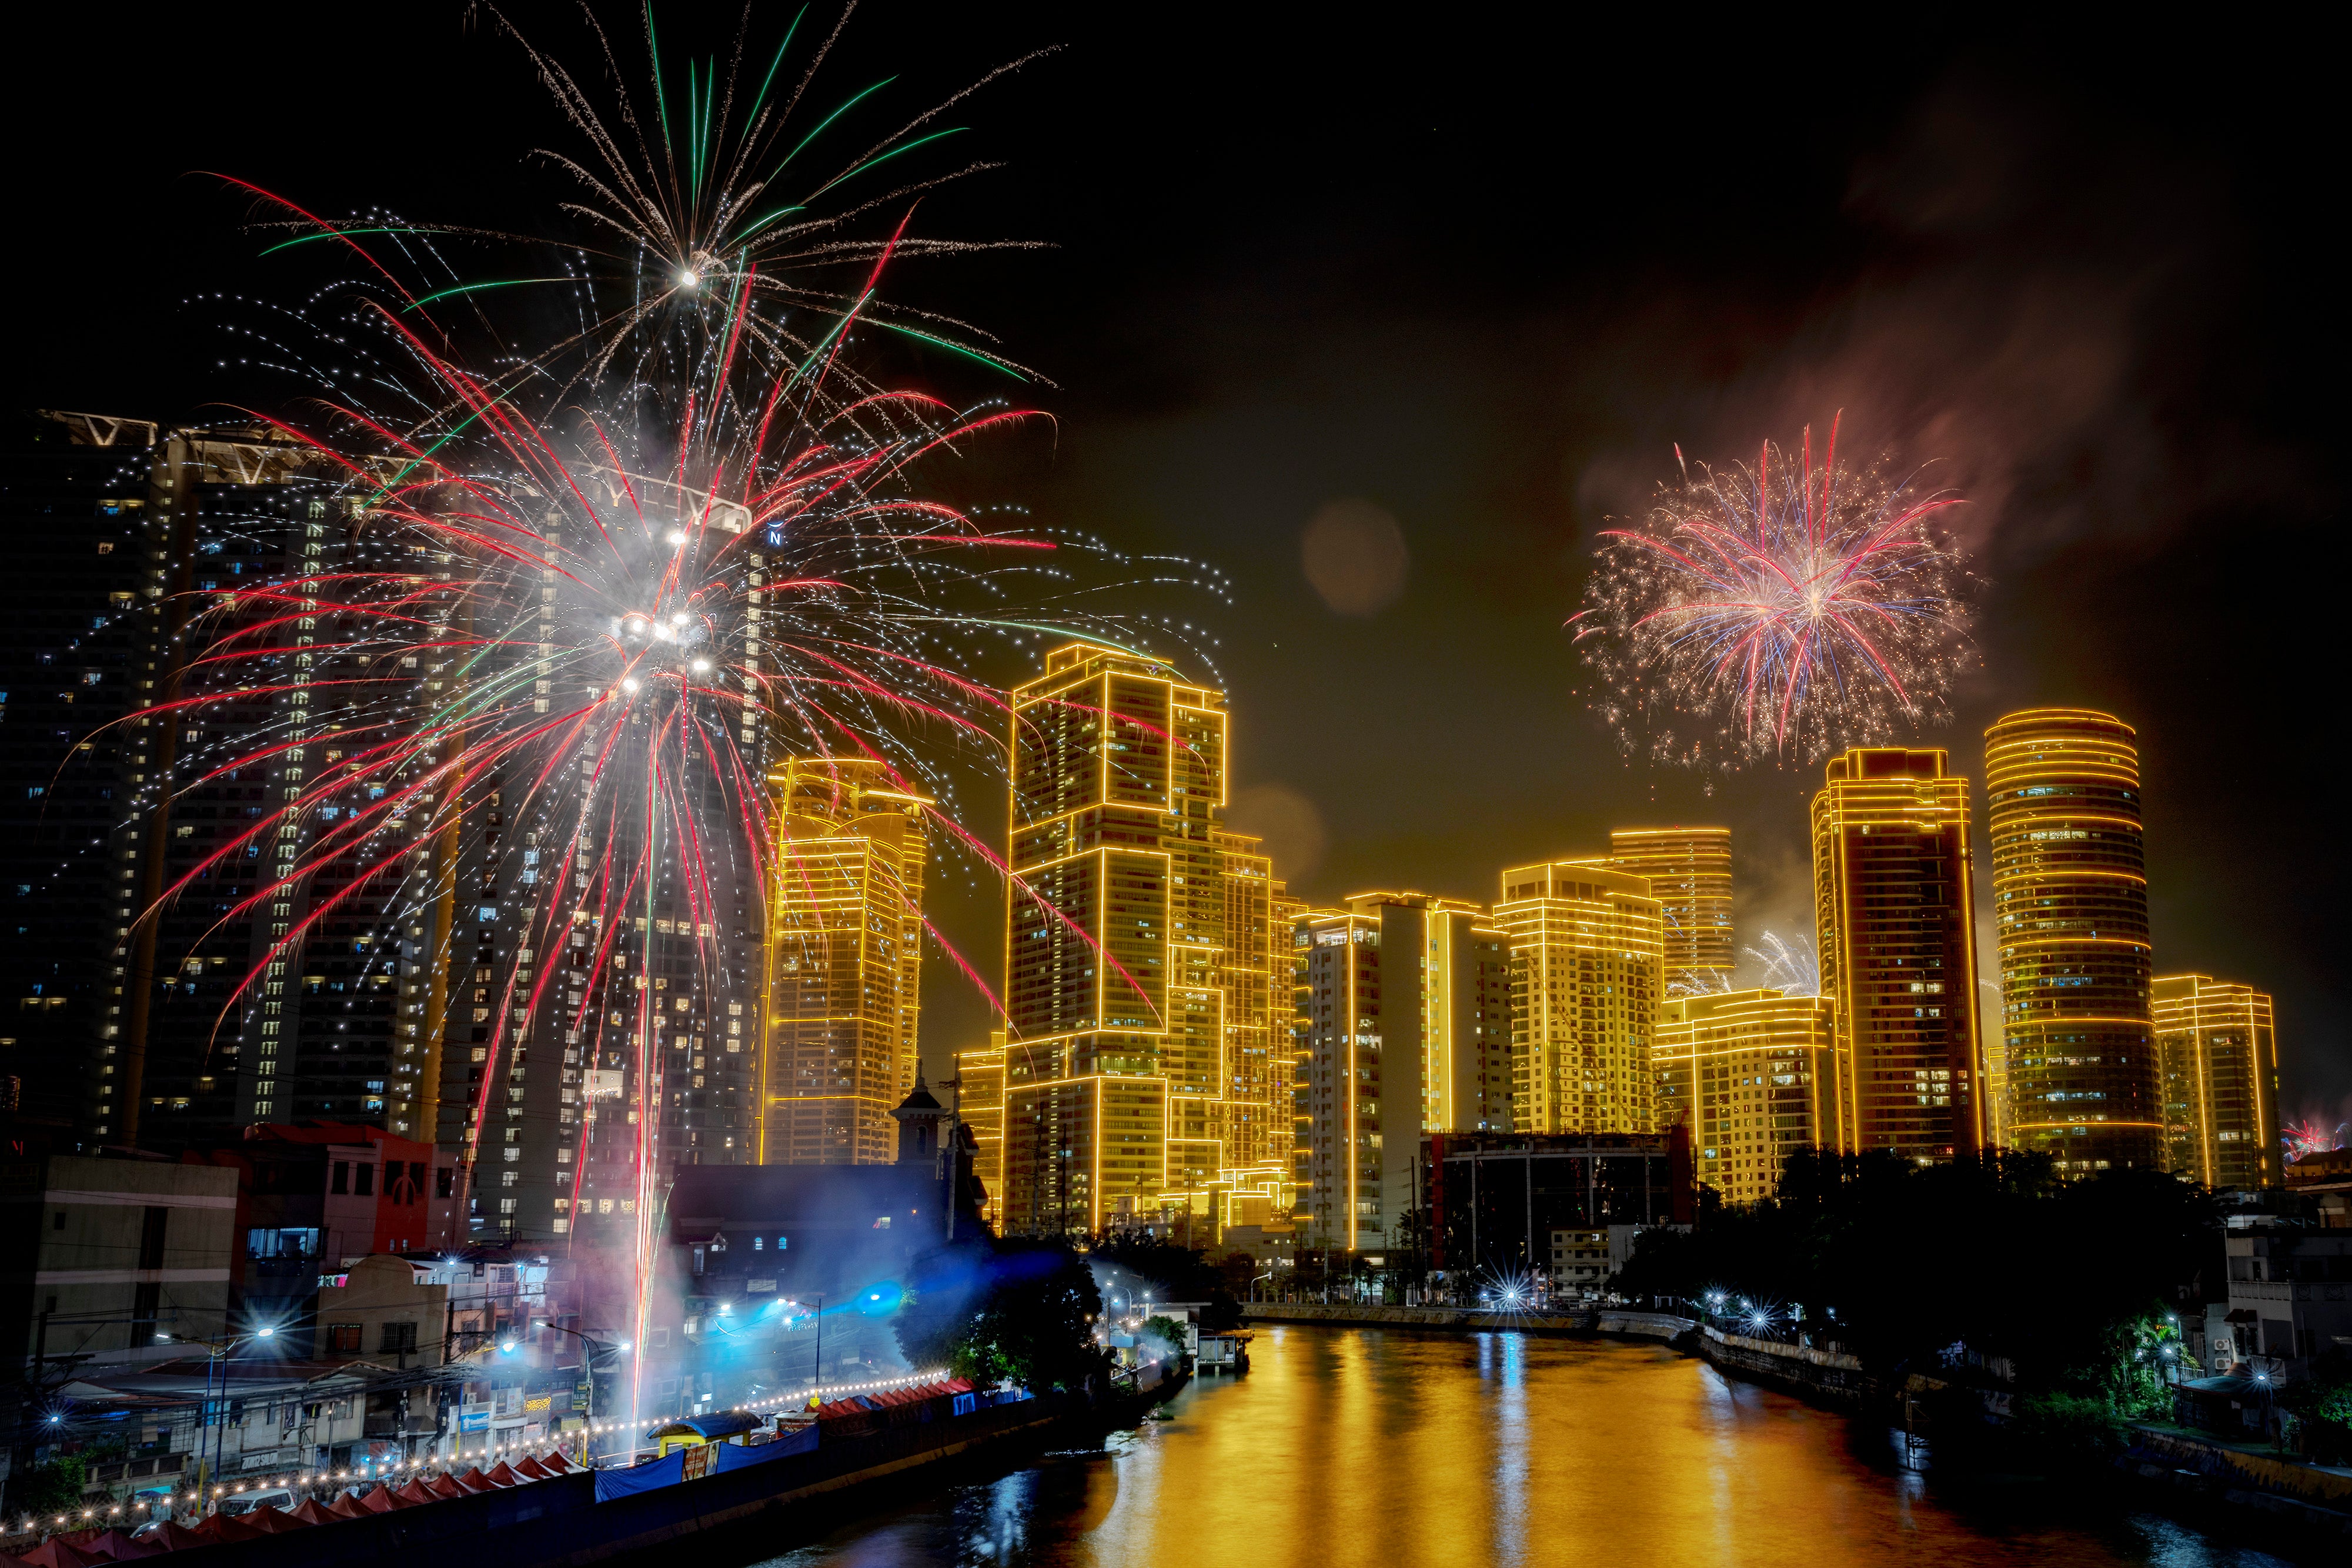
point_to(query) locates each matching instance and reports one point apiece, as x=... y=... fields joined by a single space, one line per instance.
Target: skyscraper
x=844 y=969
x=239 y=999
x=2079 y=1080
x=1754 y=1075
x=1588 y=961
x=74 y=659
x=1406 y=1024
x=2219 y=1045
x=1689 y=871
x=1254 y=977
x=1893 y=912
x=629 y=1042
x=1115 y=1060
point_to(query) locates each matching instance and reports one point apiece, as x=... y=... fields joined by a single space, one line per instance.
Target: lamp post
x=217 y=1354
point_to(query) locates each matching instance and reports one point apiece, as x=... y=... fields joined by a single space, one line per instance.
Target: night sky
x=1477 y=277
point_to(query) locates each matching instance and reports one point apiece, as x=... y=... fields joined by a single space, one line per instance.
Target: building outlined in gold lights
x=1894 y=912
x=1405 y=1021
x=1689 y=872
x=2218 y=1042
x=1126 y=1002
x=1588 y=954
x=844 y=989
x=2079 y=1079
x=1755 y=1075
x=977 y=1087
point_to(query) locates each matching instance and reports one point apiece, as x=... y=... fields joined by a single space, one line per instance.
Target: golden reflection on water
x=1346 y=1447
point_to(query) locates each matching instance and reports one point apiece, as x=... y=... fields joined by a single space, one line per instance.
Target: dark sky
x=1479 y=273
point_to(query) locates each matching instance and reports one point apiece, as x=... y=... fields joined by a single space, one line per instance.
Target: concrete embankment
x=2179 y=1471
x=1609 y=1322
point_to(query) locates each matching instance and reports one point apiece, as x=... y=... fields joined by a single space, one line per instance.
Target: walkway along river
x=1394 y=1450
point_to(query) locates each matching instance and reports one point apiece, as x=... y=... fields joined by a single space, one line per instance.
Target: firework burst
x=557 y=618
x=1782 y=609
x=2311 y=1136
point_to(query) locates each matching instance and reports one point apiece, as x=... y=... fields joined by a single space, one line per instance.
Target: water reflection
x=1362 y=1447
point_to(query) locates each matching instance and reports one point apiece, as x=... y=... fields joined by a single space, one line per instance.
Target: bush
x=2066 y=1431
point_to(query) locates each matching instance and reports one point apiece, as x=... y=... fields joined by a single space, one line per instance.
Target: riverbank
x=1609 y=1322
x=2176 y=1471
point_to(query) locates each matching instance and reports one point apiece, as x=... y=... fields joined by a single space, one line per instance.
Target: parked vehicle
x=265 y=1497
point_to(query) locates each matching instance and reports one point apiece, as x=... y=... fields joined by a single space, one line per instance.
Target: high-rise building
x=845 y=940
x=1405 y=1030
x=1587 y=955
x=75 y=658
x=1689 y=871
x=2079 y=1076
x=978 y=1088
x=622 y=1035
x=1754 y=1076
x=1894 y=914
x=1254 y=975
x=2219 y=1045
x=1114 y=1061
x=226 y=989
x=1283 y=1037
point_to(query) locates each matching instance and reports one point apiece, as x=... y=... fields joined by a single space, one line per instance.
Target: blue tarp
x=669 y=1472
x=611 y=1484
x=735 y=1456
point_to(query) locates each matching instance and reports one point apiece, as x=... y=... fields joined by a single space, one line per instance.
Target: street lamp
x=595 y=1348
x=219 y=1352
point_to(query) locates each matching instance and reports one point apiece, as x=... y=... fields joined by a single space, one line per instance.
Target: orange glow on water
x=1394 y=1450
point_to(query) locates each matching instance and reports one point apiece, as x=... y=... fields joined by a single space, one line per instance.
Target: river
x=1360 y=1445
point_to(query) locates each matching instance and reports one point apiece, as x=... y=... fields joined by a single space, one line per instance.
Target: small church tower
x=921 y=1121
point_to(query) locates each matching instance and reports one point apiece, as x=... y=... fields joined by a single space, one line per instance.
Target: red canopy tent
x=173 y=1536
x=504 y=1476
x=556 y=1463
x=224 y=1527
x=310 y=1511
x=275 y=1520
x=347 y=1508
x=58 y=1552
x=475 y=1481
x=417 y=1492
x=530 y=1470
x=119 y=1547
x=445 y=1486
x=380 y=1499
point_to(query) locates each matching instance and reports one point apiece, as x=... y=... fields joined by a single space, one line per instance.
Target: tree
x=1901 y=1260
x=52 y=1488
x=1166 y=1331
x=1173 y=1273
x=1021 y=1312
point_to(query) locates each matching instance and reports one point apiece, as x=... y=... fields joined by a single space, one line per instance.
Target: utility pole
x=953 y=1153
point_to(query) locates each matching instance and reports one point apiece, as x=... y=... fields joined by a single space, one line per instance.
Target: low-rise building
x=2289 y=1285
x=1491 y=1201
x=388 y=1312
x=2326 y=1178
x=105 y=1256
x=1273 y=1248
x=1580 y=1261
x=315 y=1196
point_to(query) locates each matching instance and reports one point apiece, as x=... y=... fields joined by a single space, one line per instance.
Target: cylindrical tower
x=2080 y=1079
